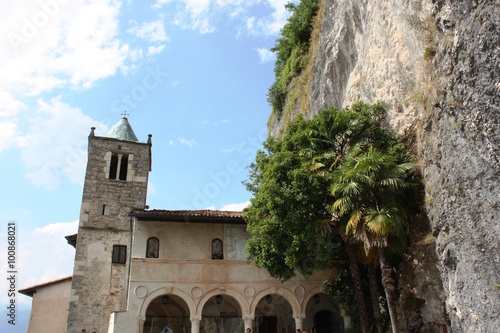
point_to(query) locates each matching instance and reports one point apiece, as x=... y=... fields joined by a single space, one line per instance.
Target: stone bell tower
x=116 y=182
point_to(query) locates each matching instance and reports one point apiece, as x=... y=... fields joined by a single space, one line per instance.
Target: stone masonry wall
x=99 y=286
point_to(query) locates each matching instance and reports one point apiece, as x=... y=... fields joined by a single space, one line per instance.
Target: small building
x=139 y=270
x=50 y=300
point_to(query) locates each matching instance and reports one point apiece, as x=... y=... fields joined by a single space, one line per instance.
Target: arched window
x=152 y=248
x=217 y=249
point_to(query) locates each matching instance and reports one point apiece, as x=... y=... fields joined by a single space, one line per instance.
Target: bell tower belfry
x=116 y=182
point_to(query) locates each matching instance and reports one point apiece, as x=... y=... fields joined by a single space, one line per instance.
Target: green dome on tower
x=122 y=131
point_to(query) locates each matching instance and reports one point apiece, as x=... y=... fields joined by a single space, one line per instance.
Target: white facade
x=192 y=281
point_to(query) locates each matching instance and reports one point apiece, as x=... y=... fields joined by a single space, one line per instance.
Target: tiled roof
x=29 y=291
x=204 y=215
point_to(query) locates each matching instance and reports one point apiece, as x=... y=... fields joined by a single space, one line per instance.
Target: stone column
x=299 y=321
x=248 y=323
x=195 y=324
x=118 y=165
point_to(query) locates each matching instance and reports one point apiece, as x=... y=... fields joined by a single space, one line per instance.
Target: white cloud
x=160 y=3
x=207 y=15
x=9 y=134
x=250 y=23
x=215 y=122
x=271 y=24
x=9 y=129
x=265 y=55
x=9 y=106
x=55 y=146
x=183 y=141
x=237 y=207
x=53 y=44
x=57 y=229
x=151 y=31
x=233 y=148
x=43 y=255
x=152 y=50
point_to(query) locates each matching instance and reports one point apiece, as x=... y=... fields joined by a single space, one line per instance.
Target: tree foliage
x=339 y=177
x=290 y=216
x=370 y=190
x=288 y=205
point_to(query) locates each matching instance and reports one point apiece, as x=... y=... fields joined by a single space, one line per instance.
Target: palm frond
x=379 y=222
x=394 y=182
x=353 y=222
x=342 y=206
x=315 y=166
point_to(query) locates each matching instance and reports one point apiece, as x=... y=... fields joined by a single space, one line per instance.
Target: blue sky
x=193 y=73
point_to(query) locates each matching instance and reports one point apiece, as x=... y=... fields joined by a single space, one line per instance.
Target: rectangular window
x=113 y=165
x=123 y=167
x=119 y=254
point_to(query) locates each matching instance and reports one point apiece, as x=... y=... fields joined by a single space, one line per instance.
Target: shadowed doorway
x=273 y=314
x=167 y=310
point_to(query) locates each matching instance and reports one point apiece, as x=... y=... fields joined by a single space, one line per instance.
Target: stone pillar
x=195 y=324
x=118 y=165
x=248 y=323
x=299 y=319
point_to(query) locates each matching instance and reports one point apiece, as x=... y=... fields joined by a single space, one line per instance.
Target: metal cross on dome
x=125 y=114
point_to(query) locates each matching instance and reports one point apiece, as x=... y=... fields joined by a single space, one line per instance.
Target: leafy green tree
x=306 y=180
x=288 y=211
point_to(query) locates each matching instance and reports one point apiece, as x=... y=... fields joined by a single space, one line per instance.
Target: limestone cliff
x=435 y=64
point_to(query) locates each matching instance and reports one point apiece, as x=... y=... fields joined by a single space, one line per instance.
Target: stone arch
x=287 y=295
x=240 y=299
x=308 y=296
x=326 y=307
x=165 y=291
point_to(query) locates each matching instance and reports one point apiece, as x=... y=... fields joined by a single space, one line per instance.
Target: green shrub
x=292 y=50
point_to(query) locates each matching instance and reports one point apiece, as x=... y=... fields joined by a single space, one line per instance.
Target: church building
x=138 y=269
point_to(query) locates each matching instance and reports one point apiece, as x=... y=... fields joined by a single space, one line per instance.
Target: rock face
x=435 y=64
x=460 y=150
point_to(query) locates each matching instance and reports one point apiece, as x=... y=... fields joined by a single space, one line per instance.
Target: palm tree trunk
x=358 y=288
x=390 y=288
x=374 y=293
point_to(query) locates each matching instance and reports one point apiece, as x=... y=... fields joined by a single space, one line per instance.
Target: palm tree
x=358 y=287
x=370 y=187
x=370 y=263
x=329 y=136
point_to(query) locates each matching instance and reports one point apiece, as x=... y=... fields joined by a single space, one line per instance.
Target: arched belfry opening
x=221 y=314
x=323 y=315
x=167 y=310
x=274 y=314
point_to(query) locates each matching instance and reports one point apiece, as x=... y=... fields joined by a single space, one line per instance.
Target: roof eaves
x=189 y=216
x=29 y=291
